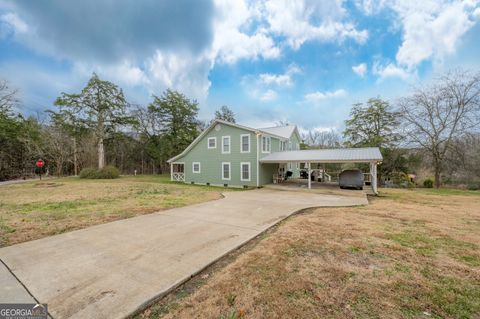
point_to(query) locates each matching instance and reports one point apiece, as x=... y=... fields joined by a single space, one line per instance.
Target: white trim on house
x=241 y=143
x=215 y=122
x=229 y=171
x=215 y=142
x=249 y=172
x=199 y=168
x=177 y=176
x=267 y=148
x=229 y=144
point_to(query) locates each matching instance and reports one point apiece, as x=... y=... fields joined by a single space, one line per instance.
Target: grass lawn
x=409 y=254
x=37 y=209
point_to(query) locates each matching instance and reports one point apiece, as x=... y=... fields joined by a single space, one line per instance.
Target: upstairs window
x=245 y=143
x=266 y=144
x=225 y=144
x=212 y=142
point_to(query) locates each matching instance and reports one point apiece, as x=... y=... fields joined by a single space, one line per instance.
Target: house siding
x=211 y=159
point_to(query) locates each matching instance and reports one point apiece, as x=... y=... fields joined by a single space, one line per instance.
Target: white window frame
x=267 y=147
x=229 y=171
x=199 y=168
x=208 y=143
x=229 y=144
x=249 y=172
x=241 y=143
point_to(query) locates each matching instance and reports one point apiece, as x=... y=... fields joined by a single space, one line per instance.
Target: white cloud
x=180 y=72
x=230 y=43
x=284 y=79
x=360 y=69
x=14 y=22
x=269 y=95
x=431 y=29
x=301 y=21
x=389 y=70
x=318 y=96
x=476 y=13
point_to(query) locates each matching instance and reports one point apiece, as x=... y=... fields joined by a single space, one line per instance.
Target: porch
x=314 y=161
x=328 y=188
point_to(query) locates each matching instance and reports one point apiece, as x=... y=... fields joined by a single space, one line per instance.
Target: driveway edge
x=184 y=280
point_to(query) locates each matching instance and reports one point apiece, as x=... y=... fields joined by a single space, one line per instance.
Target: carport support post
x=309 y=175
x=373 y=173
x=171 y=171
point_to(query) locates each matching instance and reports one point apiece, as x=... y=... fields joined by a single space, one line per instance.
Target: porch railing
x=178 y=176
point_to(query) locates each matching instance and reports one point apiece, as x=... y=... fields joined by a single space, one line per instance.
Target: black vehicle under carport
x=351 y=178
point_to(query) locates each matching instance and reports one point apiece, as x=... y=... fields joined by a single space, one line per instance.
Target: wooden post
x=309 y=175
x=171 y=171
x=323 y=173
x=373 y=174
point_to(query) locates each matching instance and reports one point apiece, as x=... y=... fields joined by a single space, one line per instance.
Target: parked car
x=351 y=178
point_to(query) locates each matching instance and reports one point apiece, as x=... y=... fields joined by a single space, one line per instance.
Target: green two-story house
x=228 y=154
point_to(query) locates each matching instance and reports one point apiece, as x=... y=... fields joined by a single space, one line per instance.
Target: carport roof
x=337 y=155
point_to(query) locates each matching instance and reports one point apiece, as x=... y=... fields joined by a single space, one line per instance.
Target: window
x=283 y=146
x=196 y=167
x=226 y=171
x=212 y=142
x=245 y=171
x=297 y=146
x=225 y=144
x=245 y=143
x=266 y=144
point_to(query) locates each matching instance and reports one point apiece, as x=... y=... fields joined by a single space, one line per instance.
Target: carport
x=370 y=155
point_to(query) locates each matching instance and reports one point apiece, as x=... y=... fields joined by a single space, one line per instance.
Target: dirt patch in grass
x=34 y=210
x=409 y=254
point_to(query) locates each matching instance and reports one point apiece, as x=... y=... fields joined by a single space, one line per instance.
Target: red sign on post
x=40 y=163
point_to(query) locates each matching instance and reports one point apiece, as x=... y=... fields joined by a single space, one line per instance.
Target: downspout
x=258 y=159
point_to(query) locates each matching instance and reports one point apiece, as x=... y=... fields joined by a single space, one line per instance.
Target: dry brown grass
x=38 y=209
x=410 y=254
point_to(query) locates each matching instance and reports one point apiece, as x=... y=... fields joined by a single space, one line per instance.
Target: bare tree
x=434 y=116
x=8 y=96
x=322 y=139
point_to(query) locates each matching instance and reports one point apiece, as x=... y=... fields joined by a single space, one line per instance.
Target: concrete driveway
x=112 y=270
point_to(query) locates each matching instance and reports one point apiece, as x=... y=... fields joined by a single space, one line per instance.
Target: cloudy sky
x=302 y=61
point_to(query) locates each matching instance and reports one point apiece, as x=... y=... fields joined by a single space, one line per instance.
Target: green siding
x=211 y=159
x=266 y=173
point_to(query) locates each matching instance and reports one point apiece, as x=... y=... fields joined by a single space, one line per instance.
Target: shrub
x=428 y=183
x=88 y=172
x=108 y=172
x=474 y=186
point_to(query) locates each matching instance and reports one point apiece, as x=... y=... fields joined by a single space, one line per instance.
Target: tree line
x=435 y=127
x=98 y=126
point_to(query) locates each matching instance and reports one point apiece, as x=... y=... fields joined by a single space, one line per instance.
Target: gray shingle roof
x=339 y=155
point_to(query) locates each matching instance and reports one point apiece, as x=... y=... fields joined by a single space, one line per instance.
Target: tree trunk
x=101 y=154
x=438 y=177
x=75 y=164
x=100 y=136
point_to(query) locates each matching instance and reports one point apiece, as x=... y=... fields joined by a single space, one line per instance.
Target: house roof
x=284 y=131
x=339 y=155
x=199 y=138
